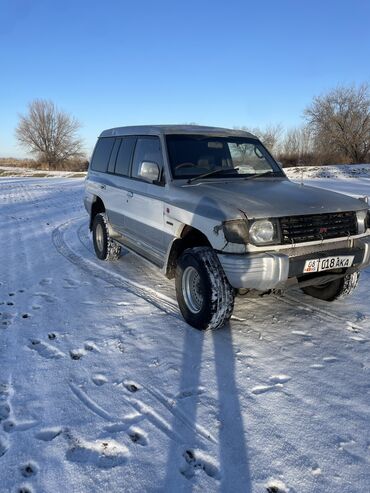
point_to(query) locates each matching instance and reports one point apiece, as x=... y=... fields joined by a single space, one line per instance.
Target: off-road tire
x=218 y=296
x=335 y=289
x=106 y=249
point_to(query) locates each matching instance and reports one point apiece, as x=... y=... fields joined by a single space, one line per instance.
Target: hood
x=259 y=198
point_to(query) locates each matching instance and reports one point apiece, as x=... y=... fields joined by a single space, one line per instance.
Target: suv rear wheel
x=335 y=289
x=105 y=248
x=204 y=295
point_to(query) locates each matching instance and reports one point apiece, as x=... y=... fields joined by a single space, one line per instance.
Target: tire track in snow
x=160 y=301
x=324 y=315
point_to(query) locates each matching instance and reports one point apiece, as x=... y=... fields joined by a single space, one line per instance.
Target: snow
x=341 y=171
x=350 y=179
x=17 y=171
x=103 y=386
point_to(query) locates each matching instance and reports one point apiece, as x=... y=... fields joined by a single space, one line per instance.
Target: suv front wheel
x=105 y=248
x=204 y=295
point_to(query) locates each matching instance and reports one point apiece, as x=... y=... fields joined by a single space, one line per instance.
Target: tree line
x=336 y=130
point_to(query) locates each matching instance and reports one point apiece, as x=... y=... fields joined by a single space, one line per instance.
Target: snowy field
x=104 y=388
x=16 y=171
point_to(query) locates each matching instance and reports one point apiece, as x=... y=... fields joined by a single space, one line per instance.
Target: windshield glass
x=219 y=157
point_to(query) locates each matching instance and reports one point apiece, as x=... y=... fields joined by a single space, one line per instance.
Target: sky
x=222 y=63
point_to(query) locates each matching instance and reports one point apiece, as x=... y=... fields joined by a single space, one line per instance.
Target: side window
x=113 y=155
x=124 y=156
x=147 y=149
x=102 y=153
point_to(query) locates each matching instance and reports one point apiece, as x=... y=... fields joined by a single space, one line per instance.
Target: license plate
x=327 y=263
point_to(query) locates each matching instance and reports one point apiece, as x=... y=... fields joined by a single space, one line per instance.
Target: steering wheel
x=185 y=165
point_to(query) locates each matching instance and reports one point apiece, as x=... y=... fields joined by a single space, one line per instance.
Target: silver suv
x=214 y=210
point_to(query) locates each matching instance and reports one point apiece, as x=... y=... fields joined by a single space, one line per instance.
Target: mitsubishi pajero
x=213 y=209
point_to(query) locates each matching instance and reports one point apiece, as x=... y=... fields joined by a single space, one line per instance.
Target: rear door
x=97 y=184
x=119 y=181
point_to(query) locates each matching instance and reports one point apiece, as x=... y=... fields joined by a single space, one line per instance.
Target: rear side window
x=124 y=156
x=113 y=156
x=147 y=149
x=102 y=154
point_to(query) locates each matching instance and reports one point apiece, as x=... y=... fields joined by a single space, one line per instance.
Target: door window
x=124 y=156
x=113 y=156
x=102 y=154
x=147 y=149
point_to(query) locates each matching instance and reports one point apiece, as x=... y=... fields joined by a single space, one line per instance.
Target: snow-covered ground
x=340 y=171
x=351 y=179
x=104 y=388
x=16 y=171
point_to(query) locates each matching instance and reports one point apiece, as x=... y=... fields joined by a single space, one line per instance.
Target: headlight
x=236 y=231
x=362 y=221
x=263 y=232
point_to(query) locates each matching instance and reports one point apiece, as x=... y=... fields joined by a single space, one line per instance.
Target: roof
x=175 y=129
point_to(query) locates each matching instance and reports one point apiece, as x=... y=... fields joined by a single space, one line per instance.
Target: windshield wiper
x=267 y=173
x=213 y=172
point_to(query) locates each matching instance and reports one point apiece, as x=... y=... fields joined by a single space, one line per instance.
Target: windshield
x=218 y=157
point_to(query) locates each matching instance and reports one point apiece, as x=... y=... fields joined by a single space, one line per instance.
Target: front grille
x=299 y=229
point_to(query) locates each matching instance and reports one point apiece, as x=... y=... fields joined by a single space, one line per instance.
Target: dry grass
x=19 y=163
x=77 y=165
x=16 y=172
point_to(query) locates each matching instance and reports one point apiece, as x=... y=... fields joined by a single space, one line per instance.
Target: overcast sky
x=225 y=63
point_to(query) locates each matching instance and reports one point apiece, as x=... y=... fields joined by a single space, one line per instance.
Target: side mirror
x=365 y=199
x=149 y=171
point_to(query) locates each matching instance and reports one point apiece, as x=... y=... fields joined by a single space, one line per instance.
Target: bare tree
x=297 y=147
x=49 y=133
x=270 y=135
x=340 y=123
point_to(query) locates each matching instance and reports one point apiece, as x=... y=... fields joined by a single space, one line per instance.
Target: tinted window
x=147 y=149
x=102 y=153
x=124 y=156
x=113 y=156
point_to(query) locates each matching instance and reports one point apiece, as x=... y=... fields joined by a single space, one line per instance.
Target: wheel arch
x=97 y=206
x=190 y=237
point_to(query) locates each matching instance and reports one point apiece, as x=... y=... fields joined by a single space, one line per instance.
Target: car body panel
x=264 y=198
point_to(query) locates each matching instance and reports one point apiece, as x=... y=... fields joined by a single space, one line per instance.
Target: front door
x=144 y=214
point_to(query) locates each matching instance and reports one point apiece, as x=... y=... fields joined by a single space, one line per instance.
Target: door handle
x=103 y=187
x=130 y=194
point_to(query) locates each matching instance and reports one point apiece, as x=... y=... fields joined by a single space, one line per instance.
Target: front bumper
x=275 y=270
